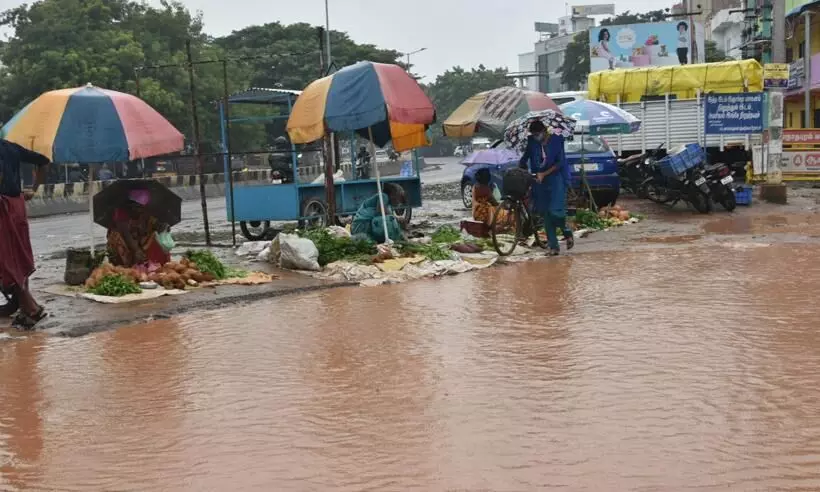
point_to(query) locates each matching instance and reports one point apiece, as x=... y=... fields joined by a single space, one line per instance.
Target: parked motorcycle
x=721 y=185
x=691 y=187
x=633 y=171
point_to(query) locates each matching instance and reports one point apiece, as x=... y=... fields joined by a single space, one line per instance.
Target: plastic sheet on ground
x=145 y=295
x=252 y=248
x=410 y=269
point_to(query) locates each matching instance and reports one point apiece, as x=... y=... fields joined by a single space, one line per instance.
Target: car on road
x=600 y=164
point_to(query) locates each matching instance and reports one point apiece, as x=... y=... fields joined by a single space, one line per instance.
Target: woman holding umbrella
x=540 y=135
x=548 y=162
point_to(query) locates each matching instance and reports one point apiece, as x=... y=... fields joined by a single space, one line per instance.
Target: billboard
x=654 y=44
x=599 y=9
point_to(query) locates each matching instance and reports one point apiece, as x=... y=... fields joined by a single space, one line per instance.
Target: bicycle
x=513 y=215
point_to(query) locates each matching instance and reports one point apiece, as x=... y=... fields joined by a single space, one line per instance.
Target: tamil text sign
x=800 y=162
x=654 y=44
x=776 y=76
x=801 y=137
x=797 y=69
x=739 y=113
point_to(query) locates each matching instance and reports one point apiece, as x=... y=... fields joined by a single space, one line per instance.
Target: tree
x=575 y=70
x=713 y=53
x=456 y=85
x=292 y=51
x=68 y=43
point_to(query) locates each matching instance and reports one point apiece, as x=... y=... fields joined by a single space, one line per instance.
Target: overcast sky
x=455 y=32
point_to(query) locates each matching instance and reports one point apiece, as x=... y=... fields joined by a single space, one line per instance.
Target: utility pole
x=807 y=69
x=330 y=187
x=195 y=123
x=227 y=115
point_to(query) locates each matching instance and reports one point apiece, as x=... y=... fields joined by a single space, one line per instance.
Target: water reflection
x=658 y=369
x=21 y=426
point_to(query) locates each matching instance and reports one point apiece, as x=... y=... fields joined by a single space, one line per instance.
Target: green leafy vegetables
x=332 y=248
x=115 y=286
x=206 y=262
x=446 y=235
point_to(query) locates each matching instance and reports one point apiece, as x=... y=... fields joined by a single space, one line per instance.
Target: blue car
x=600 y=163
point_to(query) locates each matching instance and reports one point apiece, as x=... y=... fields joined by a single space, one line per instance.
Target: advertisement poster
x=776 y=76
x=655 y=44
x=801 y=162
x=734 y=114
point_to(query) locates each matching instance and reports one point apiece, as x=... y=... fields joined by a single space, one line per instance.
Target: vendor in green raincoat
x=368 y=219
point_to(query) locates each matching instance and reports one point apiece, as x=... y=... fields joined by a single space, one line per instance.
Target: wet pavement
x=674 y=354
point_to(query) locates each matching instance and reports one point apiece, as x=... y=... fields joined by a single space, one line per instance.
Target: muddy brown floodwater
x=664 y=367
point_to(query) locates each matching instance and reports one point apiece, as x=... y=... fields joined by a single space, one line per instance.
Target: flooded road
x=666 y=367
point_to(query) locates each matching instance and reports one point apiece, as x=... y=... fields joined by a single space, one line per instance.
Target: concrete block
x=774 y=193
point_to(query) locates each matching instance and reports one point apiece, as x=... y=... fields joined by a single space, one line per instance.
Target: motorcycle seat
x=713 y=167
x=630 y=159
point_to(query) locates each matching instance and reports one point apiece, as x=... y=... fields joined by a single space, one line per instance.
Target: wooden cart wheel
x=255 y=230
x=316 y=209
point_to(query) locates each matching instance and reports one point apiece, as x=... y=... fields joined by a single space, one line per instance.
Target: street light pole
x=327 y=32
x=413 y=53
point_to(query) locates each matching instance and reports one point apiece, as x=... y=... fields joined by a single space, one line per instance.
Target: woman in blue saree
x=548 y=162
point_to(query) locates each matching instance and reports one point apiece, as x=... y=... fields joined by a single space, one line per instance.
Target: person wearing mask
x=548 y=162
x=16 y=256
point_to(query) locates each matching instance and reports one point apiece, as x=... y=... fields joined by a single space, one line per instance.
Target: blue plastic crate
x=692 y=155
x=743 y=195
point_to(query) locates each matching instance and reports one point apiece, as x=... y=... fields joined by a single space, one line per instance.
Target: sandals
x=570 y=242
x=25 y=321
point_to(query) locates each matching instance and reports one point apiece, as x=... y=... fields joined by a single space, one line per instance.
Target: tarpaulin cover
x=682 y=81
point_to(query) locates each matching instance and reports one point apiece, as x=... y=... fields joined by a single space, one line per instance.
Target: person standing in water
x=548 y=162
x=16 y=256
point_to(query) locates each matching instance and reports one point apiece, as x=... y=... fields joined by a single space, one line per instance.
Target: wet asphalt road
x=52 y=234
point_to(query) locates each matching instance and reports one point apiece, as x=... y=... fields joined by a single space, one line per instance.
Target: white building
x=727 y=32
x=526 y=65
x=539 y=69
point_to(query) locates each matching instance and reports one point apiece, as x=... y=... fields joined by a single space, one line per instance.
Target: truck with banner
x=671 y=102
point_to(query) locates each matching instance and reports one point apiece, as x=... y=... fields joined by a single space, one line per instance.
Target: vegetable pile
x=172 y=275
x=115 y=285
x=207 y=263
x=332 y=248
x=606 y=217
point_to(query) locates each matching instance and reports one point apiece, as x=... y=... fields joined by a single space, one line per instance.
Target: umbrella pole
x=91 y=209
x=378 y=184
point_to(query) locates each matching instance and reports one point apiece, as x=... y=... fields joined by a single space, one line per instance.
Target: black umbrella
x=163 y=203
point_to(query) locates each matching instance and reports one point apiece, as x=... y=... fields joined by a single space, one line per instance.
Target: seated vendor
x=484 y=202
x=367 y=223
x=132 y=238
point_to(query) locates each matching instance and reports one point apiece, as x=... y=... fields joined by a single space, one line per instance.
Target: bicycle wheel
x=538 y=228
x=506 y=227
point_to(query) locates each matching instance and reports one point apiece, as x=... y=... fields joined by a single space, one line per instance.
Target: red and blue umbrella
x=92 y=125
x=368 y=98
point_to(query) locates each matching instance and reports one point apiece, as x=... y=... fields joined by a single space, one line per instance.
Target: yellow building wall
x=794 y=107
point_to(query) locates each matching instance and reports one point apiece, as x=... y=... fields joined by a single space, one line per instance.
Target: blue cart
x=256 y=205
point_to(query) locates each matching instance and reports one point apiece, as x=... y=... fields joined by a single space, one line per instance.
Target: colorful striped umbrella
x=369 y=98
x=598 y=118
x=490 y=112
x=92 y=125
